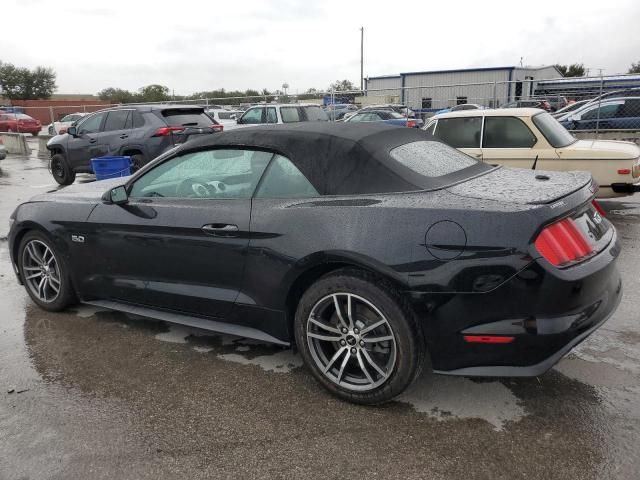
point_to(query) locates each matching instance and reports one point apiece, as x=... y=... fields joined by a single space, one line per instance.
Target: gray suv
x=140 y=131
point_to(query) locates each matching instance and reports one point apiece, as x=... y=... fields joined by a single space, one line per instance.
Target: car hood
x=81 y=192
x=522 y=186
x=600 y=149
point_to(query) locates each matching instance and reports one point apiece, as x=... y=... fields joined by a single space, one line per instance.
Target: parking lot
x=95 y=394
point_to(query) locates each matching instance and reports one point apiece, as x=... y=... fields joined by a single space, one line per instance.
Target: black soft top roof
x=340 y=158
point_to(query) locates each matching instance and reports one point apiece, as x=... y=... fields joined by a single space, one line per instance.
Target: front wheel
x=358 y=337
x=44 y=273
x=61 y=170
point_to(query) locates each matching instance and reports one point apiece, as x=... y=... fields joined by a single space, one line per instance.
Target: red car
x=19 y=123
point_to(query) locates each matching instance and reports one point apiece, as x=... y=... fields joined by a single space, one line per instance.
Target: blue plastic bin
x=111 y=167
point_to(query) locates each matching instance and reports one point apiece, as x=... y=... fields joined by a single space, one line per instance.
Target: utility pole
x=361 y=59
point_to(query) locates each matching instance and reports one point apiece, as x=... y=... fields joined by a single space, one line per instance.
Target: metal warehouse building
x=438 y=89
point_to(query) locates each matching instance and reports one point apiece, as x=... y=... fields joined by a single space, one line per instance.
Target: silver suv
x=281 y=113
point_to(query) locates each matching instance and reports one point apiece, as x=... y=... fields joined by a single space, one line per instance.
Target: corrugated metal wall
x=390 y=86
x=444 y=88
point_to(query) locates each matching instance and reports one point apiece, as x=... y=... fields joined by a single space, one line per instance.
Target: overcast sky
x=198 y=45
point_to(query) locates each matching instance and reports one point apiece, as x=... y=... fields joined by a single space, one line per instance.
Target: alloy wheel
x=351 y=341
x=41 y=271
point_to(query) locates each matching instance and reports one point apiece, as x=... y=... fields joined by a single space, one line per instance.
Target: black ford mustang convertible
x=365 y=246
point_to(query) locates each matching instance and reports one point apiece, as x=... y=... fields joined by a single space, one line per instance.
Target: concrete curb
x=15 y=143
x=42 y=145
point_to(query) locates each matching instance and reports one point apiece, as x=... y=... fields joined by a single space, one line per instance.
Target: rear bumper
x=547 y=312
x=628 y=188
x=544 y=365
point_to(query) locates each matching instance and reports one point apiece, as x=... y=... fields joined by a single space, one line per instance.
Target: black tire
x=137 y=162
x=35 y=134
x=61 y=171
x=409 y=348
x=66 y=295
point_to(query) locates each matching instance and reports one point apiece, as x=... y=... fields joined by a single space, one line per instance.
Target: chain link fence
x=603 y=107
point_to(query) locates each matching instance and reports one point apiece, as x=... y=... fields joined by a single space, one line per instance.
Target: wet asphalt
x=90 y=394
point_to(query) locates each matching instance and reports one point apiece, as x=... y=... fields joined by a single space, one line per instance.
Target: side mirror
x=116 y=196
x=73 y=131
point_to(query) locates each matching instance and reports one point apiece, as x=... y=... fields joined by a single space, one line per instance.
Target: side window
x=290 y=114
x=91 y=124
x=272 y=115
x=606 y=111
x=138 y=120
x=463 y=132
x=212 y=174
x=431 y=128
x=284 y=180
x=507 y=132
x=252 y=116
x=631 y=108
x=116 y=120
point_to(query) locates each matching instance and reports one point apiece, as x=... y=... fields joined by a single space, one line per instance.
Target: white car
x=58 y=128
x=274 y=113
x=531 y=138
x=224 y=116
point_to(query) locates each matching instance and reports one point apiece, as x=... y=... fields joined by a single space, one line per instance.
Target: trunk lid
x=600 y=149
x=522 y=186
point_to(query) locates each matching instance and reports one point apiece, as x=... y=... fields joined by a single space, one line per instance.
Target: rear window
x=556 y=134
x=431 y=159
x=186 y=118
x=315 y=114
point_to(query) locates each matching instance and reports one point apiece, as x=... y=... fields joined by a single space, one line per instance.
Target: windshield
x=556 y=134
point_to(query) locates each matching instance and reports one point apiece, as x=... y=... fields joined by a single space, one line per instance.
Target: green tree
x=116 y=95
x=153 y=93
x=635 y=68
x=24 y=84
x=342 y=86
x=573 y=70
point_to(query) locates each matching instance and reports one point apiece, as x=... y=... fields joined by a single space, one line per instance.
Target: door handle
x=93 y=140
x=124 y=135
x=220 y=229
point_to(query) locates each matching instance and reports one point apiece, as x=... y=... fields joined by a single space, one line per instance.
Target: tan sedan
x=531 y=138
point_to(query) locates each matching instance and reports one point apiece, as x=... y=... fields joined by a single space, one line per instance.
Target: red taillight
x=487 y=339
x=166 y=131
x=562 y=243
x=598 y=208
x=624 y=171
x=411 y=123
x=216 y=127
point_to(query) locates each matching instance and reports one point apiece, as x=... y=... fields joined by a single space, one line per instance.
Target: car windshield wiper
x=154 y=194
x=190 y=124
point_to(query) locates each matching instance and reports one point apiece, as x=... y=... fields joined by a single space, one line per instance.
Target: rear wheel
x=44 y=273
x=35 y=134
x=61 y=171
x=358 y=337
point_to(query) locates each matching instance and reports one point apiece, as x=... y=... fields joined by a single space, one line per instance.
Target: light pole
x=361 y=59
